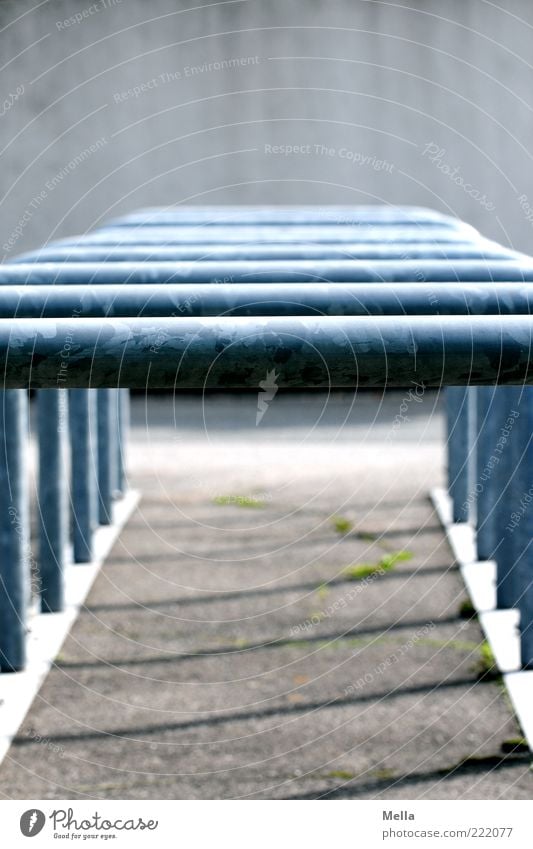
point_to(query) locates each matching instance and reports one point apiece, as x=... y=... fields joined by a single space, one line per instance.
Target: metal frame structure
x=213 y=297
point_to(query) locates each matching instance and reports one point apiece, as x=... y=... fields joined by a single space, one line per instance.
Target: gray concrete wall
x=131 y=103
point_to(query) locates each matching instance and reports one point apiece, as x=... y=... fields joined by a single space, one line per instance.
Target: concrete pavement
x=280 y=619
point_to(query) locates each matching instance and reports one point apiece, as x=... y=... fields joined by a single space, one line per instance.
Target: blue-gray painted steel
x=107 y=456
x=521 y=524
x=251 y=273
x=360 y=214
x=52 y=422
x=15 y=559
x=82 y=413
x=273 y=235
x=480 y=250
x=488 y=455
x=236 y=353
x=174 y=258
x=470 y=505
x=95 y=456
x=509 y=419
x=123 y=299
x=114 y=414
x=458 y=411
x=123 y=417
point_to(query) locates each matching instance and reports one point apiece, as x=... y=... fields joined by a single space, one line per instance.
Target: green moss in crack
x=323 y=591
x=342 y=774
x=342 y=525
x=485 y=667
x=467 y=610
x=361 y=571
x=383 y=774
x=251 y=501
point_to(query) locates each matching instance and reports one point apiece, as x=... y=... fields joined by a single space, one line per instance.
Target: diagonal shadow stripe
x=255 y=715
x=470 y=766
x=276 y=643
x=212 y=598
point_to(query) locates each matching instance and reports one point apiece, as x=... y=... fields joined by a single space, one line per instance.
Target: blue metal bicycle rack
x=211 y=297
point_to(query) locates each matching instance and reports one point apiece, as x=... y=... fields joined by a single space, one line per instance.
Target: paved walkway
x=239 y=642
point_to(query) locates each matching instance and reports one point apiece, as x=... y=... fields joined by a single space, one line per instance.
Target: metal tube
x=487 y=460
x=52 y=506
x=521 y=525
x=123 y=399
x=94 y=462
x=106 y=455
x=357 y=299
x=359 y=214
x=470 y=507
x=81 y=252
x=508 y=495
x=252 y=273
x=82 y=413
x=273 y=235
x=114 y=413
x=458 y=447
x=235 y=353
x=15 y=552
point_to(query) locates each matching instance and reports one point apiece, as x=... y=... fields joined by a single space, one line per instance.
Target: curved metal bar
x=251 y=273
x=237 y=353
x=81 y=252
x=356 y=299
x=287 y=215
x=242 y=234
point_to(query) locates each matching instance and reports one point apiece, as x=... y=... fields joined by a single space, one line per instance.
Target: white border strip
x=47 y=631
x=499 y=626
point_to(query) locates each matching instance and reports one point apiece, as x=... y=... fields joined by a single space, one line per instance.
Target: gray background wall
x=374 y=83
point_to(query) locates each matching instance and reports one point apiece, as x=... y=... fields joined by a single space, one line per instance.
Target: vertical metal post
x=458 y=443
x=123 y=401
x=82 y=416
x=521 y=524
x=471 y=430
x=107 y=455
x=507 y=415
x=52 y=425
x=487 y=460
x=115 y=424
x=15 y=562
